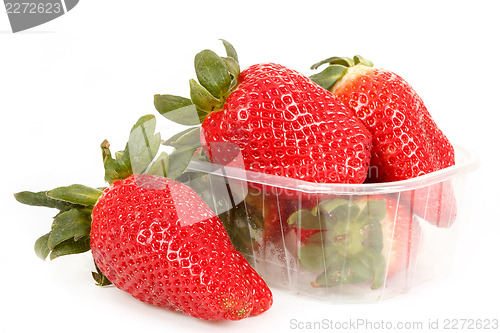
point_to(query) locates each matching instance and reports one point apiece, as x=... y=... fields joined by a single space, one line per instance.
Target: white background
x=90 y=74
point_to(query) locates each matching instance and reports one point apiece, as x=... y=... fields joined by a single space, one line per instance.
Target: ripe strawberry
x=276 y=119
x=368 y=239
x=262 y=296
x=157 y=240
x=406 y=141
x=151 y=236
x=286 y=125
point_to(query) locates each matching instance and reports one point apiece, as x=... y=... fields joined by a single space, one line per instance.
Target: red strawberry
x=276 y=119
x=262 y=296
x=368 y=239
x=157 y=240
x=406 y=141
x=286 y=125
x=151 y=236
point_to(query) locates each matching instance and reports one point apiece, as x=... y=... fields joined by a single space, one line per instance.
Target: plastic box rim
x=466 y=161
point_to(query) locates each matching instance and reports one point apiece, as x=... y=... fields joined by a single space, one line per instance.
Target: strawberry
x=153 y=236
x=367 y=239
x=275 y=119
x=406 y=141
x=157 y=240
x=262 y=296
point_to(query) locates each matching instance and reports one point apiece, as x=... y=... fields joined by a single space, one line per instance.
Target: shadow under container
x=339 y=242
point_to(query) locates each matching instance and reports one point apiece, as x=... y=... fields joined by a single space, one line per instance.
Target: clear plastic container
x=339 y=242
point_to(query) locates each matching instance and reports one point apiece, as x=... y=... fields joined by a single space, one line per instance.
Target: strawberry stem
x=217 y=78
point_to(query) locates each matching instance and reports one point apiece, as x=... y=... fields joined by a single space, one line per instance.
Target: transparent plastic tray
x=339 y=242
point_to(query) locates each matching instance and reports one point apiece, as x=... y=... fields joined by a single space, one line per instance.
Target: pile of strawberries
x=154 y=237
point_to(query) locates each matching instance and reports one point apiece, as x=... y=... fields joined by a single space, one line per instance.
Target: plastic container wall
x=339 y=242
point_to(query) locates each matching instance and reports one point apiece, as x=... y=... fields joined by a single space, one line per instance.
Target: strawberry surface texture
x=157 y=240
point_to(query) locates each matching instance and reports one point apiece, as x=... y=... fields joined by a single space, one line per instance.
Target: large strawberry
x=406 y=141
x=151 y=236
x=366 y=239
x=274 y=119
x=157 y=240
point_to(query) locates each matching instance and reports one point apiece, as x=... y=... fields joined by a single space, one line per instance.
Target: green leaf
x=160 y=166
x=350 y=271
x=123 y=158
x=316 y=257
x=343 y=61
x=72 y=224
x=114 y=169
x=367 y=266
x=373 y=236
x=208 y=188
x=77 y=194
x=242 y=224
x=41 y=199
x=42 y=249
x=166 y=103
x=203 y=99
x=328 y=206
x=143 y=143
x=212 y=73
x=100 y=278
x=339 y=210
x=375 y=210
x=304 y=219
x=233 y=67
x=179 y=110
x=171 y=141
x=189 y=137
x=359 y=60
x=230 y=50
x=320 y=237
x=71 y=247
x=232 y=63
x=178 y=161
x=361 y=269
x=329 y=76
x=378 y=268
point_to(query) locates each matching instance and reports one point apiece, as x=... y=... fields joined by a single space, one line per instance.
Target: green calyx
x=347 y=247
x=70 y=231
x=217 y=78
x=243 y=223
x=142 y=153
x=337 y=68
